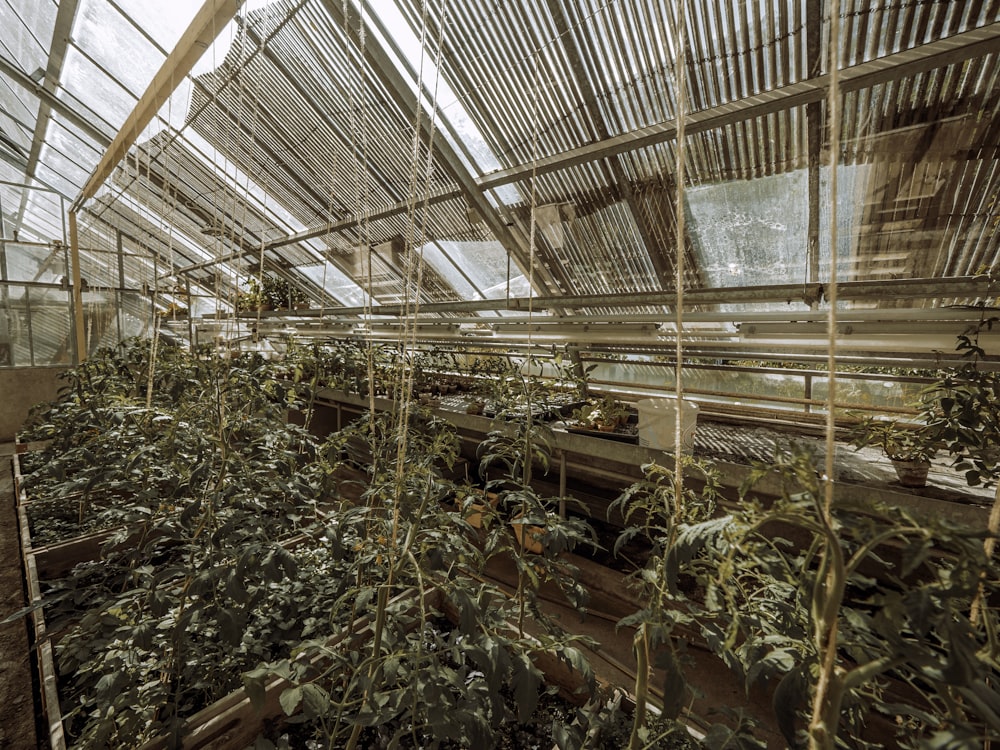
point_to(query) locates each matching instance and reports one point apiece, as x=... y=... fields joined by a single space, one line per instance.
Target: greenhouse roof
x=337 y=142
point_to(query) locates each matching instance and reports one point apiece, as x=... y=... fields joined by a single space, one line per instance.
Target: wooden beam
x=206 y=26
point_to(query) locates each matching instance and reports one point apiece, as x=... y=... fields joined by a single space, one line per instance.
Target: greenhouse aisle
x=17 y=710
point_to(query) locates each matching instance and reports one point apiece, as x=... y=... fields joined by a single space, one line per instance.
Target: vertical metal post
x=27 y=317
x=120 y=294
x=190 y=314
x=77 y=291
x=809 y=391
x=121 y=259
x=562 y=484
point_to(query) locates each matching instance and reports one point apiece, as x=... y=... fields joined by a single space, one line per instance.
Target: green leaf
x=526 y=679
x=789 y=699
x=290 y=700
x=315 y=701
x=674 y=684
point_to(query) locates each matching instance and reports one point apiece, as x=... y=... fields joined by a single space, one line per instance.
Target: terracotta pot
x=528 y=536
x=912 y=473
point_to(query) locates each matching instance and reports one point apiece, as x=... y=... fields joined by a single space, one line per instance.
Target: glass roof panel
x=487 y=266
x=27 y=33
x=60 y=172
x=87 y=83
x=448 y=104
x=327 y=276
x=66 y=141
x=116 y=45
x=754 y=232
x=166 y=22
x=19 y=108
x=453 y=274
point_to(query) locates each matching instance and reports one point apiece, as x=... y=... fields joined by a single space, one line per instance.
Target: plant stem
x=989 y=546
x=640 y=646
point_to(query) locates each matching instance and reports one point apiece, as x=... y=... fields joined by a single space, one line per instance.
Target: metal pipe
x=74 y=255
x=959 y=286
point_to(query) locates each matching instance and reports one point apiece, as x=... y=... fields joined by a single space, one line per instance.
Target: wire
x=680 y=71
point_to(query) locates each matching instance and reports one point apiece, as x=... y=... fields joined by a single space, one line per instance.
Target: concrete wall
x=20 y=389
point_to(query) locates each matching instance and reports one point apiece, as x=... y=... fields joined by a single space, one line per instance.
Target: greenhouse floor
x=17 y=709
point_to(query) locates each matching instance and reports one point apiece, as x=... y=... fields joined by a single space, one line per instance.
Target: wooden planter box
x=56 y=560
x=40 y=643
x=232 y=722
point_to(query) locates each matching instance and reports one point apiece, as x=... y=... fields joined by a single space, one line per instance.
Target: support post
x=77 y=290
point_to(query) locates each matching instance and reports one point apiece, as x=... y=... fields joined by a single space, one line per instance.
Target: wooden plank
x=47 y=677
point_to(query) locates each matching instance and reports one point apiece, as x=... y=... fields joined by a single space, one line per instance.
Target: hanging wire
x=357 y=106
x=680 y=76
x=251 y=138
x=827 y=642
x=414 y=242
x=833 y=102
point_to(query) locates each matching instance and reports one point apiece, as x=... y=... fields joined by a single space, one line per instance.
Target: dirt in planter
x=17 y=708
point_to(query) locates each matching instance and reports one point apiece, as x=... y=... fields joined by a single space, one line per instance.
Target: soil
x=17 y=709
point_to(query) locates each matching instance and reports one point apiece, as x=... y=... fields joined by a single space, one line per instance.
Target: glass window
x=15 y=346
x=755 y=232
x=135 y=316
x=51 y=327
x=37 y=263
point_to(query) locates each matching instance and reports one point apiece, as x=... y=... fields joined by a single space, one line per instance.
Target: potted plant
x=275 y=292
x=253 y=298
x=282 y=294
x=909 y=448
x=605 y=415
x=298 y=299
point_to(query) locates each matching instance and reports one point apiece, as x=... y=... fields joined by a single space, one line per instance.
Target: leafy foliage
x=772 y=603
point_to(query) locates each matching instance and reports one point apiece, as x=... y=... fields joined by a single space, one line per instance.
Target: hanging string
x=414 y=275
x=357 y=105
x=833 y=103
x=680 y=76
x=827 y=642
x=242 y=95
x=533 y=198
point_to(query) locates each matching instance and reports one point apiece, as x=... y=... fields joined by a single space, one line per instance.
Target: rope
x=825 y=634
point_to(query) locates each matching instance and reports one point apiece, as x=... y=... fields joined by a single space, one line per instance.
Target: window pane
x=39 y=263
x=51 y=327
